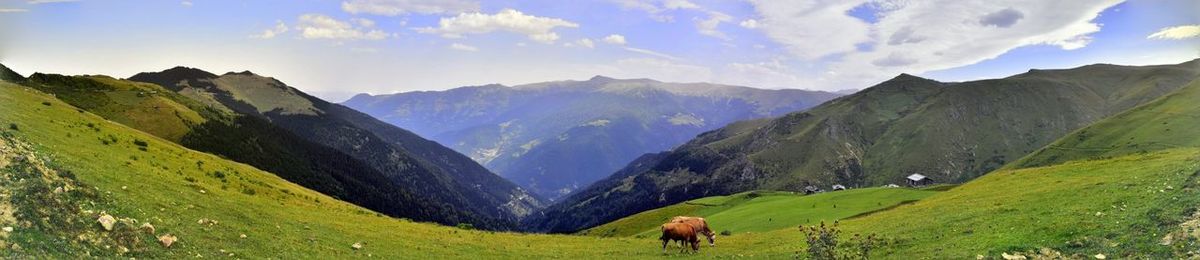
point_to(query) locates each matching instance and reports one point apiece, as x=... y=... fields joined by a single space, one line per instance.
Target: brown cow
x=681 y=232
x=701 y=226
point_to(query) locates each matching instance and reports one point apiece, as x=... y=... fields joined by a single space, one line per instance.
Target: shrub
x=726 y=233
x=823 y=243
x=465 y=226
x=140 y=143
x=14 y=127
x=46 y=103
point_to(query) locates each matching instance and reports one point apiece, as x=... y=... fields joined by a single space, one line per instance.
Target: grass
x=1121 y=206
x=759 y=211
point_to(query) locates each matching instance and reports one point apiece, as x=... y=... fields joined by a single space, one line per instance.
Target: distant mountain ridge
x=952 y=132
x=556 y=137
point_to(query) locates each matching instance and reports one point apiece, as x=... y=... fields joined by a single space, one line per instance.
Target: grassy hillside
x=951 y=132
x=761 y=211
x=255 y=141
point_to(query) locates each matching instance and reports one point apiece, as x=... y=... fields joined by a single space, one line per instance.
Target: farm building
x=917 y=180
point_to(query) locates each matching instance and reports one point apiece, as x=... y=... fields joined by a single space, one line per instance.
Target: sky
x=337 y=48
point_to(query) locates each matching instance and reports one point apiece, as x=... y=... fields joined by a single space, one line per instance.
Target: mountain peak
x=188 y=72
x=908 y=77
x=9 y=75
x=601 y=78
x=243 y=73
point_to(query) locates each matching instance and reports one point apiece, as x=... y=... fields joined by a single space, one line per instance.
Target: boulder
x=167 y=240
x=106 y=221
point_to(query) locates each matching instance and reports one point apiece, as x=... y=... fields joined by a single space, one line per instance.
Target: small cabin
x=838 y=187
x=918 y=180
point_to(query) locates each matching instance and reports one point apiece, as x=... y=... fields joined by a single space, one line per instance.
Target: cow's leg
x=664 y=249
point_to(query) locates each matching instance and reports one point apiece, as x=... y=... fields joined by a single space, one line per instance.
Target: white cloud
x=1177 y=32
x=317 y=26
x=773 y=74
x=13 y=10
x=812 y=29
x=659 y=69
x=463 y=47
x=363 y=22
x=656 y=8
x=540 y=29
x=919 y=36
x=749 y=23
x=186 y=3
x=709 y=26
x=615 y=39
x=651 y=53
x=399 y=7
x=279 y=28
x=586 y=43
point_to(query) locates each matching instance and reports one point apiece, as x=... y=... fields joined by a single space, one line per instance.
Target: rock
x=1101 y=256
x=149 y=229
x=8 y=229
x=106 y=221
x=357 y=246
x=978 y=256
x=242 y=236
x=167 y=240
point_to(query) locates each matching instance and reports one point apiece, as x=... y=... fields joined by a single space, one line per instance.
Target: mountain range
x=951 y=132
x=554 y=138
x=263 y=122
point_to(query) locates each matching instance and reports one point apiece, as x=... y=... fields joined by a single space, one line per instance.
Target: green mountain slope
x=1167 y=123
x=460 y=189
x=952 y=132
x=761 y=211
x=554 y=138
x=7 y=74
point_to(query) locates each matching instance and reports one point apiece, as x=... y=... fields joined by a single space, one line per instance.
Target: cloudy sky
x=334 y=48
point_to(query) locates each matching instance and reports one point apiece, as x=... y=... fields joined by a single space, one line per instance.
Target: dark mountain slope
x=433 y=173
x=556 y=137
x=952 y=132
x=245 y=139
x=7 y=74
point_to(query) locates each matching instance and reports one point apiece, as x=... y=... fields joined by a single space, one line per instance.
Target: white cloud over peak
x=1177 y=32
x=615 y=39
x=13 y=10
x=651 y=53
x=539 y=29
x=919 y=36
x=318 y=26
x=399 y=7
x=279 y=28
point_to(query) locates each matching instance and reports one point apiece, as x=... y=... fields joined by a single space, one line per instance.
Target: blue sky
x=337 y=48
